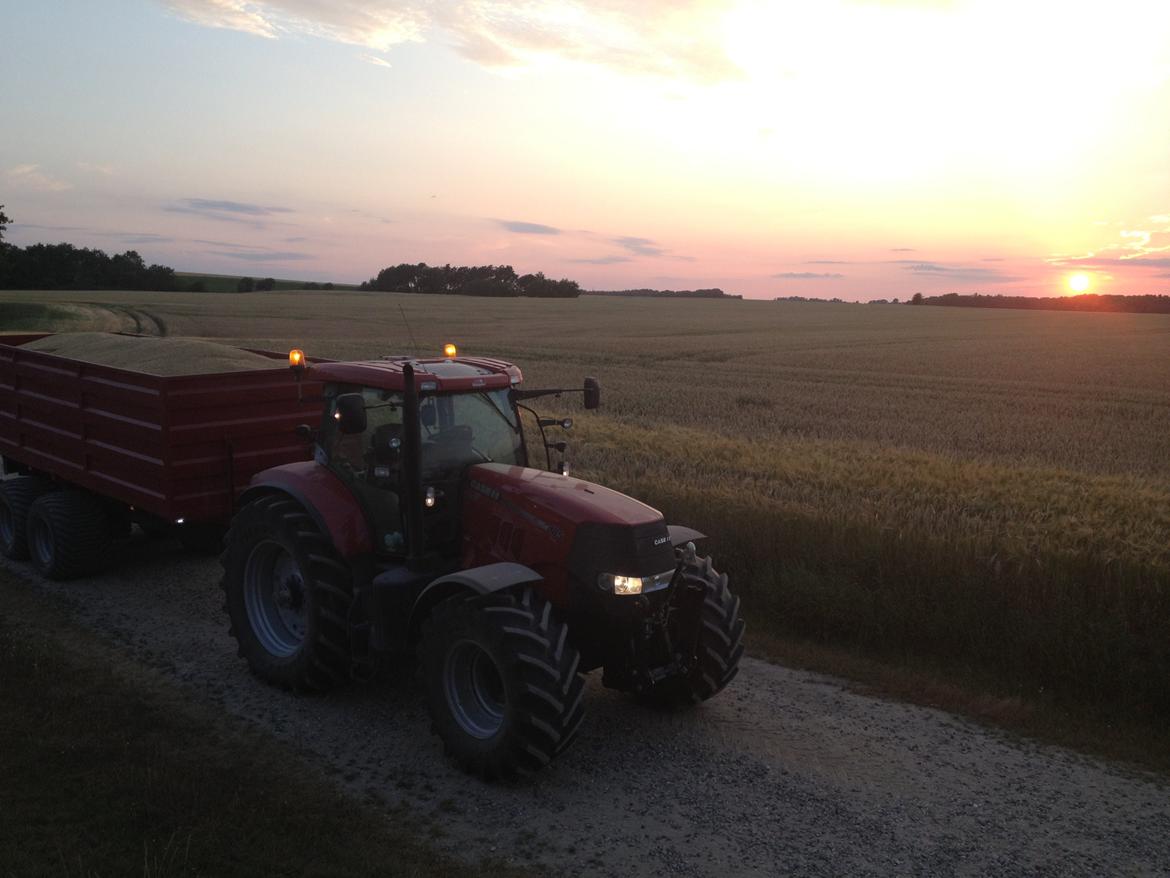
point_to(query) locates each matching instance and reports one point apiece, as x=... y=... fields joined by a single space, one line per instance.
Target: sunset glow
x=845 y=148
x=1078 y=282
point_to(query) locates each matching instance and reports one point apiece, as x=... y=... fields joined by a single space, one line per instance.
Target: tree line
x=469 y=280
x=713 y=293
x=65 y=267
x=1142 y=304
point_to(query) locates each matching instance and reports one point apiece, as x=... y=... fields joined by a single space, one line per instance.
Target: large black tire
x=720 y=640
x=288 y=596
x=16 y=498
x=502 y=684
x=67 y=532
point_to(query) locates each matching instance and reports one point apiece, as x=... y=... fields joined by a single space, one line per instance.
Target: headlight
x=627 y=585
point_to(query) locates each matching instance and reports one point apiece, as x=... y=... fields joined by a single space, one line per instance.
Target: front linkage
x=688 y=646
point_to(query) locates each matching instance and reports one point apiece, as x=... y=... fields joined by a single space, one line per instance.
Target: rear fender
x=487 y=579
x=327 y=501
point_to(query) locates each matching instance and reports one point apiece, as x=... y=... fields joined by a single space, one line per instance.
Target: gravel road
x=786 y=772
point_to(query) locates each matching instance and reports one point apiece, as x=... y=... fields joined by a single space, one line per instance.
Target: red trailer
x=166 y=451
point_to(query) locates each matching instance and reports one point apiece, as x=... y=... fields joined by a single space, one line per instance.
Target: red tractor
x=419 y=526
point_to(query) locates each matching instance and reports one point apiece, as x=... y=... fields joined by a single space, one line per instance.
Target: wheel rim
x=475 y=690
x=40 y=543
x=274 y=596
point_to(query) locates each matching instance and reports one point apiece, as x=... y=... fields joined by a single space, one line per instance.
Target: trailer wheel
x=288 y=596
x=66 y=532
x=720 y=642
x=16 y=497
x=502 y=684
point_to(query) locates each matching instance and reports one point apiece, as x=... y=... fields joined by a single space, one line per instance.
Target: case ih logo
x=661 y=540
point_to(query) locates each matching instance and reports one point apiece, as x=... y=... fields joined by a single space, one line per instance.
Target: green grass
x=108 y=773
x=17 y=316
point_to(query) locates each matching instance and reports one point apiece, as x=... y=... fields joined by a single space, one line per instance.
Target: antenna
x=408 y=329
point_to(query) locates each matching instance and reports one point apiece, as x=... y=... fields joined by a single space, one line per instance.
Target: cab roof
x=433 y=375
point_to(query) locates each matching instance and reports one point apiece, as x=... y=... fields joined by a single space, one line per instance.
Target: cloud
x=375 y=60
x=1136 y=248
x=211 y=205
x=640 y=246
x=602 y=260
x=1117 y=262
x=671 y=38
x=807 y=275
x=144 y=238
x=828 y=262
x=230 y=14
x=248 y=255
x=901 y=249
x=227 y=211
x=523 y=228
x=33 y=179
x=966 y=273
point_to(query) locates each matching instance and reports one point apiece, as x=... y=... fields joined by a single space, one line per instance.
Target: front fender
x=680 y=535
x=328 y=502
x=474 y=580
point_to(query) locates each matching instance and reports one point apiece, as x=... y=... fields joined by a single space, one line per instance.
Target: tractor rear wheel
x=502 y=684
x=16 y=497
x=66 y=532
x=288 y=596
x=720 y=644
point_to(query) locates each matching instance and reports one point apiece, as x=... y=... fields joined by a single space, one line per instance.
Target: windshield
x=463 y=428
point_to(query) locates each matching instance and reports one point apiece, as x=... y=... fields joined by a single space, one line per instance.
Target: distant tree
x=4 y=221
x=328 y=285
x=245 y=285
x=266 y=285
x=917 y=300
x=197 y=287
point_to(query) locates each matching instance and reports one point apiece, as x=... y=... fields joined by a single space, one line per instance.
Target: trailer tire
x=720 y=642
x=67 y=532
x=502 y=681
x=288 y=596
x=16 y=497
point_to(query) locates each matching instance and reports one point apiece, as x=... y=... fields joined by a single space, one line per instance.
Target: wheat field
x=979 y=488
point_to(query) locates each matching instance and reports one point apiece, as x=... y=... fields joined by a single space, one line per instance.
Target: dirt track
x=786 y=772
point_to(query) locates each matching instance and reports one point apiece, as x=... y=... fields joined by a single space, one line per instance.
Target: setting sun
x=1079 y=282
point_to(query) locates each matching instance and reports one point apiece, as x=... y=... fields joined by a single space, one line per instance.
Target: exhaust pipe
x=412 y=465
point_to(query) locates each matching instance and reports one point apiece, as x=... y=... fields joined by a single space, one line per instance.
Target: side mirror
x=592 y=393
x=350 y=413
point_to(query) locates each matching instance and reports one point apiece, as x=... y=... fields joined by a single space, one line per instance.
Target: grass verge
x=106 y=772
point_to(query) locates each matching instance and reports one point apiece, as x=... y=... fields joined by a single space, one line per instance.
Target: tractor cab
x=401 y=434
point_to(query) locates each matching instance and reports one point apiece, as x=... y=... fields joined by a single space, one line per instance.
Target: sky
x=857 y=149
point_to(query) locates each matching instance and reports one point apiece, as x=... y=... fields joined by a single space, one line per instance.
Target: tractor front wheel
x=288 y=596
x=720 y=640
x=502 y=684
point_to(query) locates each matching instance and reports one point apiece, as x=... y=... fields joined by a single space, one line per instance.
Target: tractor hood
x=568 y=530
x=542 y=494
